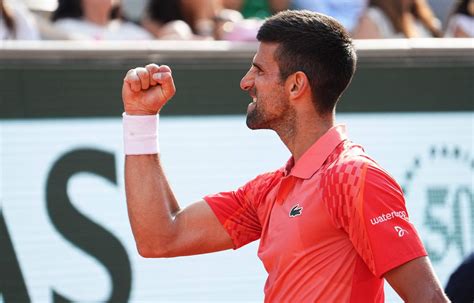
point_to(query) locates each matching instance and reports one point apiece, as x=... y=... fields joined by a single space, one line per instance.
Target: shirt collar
x=315 y=156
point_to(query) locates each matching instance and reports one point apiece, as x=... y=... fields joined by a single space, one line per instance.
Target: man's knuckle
x=151 y=66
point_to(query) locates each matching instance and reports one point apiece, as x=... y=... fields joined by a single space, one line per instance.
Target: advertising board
x=64 y=230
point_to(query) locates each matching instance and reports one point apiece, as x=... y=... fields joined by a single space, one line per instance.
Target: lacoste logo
x=401 y=232
x=296 y=211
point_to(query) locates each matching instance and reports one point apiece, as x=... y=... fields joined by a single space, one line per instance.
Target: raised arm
x=160 y=227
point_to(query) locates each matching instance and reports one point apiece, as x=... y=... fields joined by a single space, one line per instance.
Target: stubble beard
x=258 y=118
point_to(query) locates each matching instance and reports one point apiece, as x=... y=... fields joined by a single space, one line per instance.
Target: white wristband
x=140 y=134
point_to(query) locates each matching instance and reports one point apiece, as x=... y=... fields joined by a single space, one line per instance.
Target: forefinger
x=133 y=80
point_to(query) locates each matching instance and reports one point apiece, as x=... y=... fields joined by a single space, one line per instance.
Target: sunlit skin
x=272 y=105
x=270 y=108
x=283 y=105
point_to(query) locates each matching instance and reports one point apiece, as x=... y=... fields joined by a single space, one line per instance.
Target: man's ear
x=297 y=85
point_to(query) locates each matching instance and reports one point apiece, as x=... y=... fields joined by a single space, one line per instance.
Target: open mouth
x=252 y=104
x=253 y=95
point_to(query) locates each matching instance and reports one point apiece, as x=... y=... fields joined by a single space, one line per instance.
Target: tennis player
x=332 y=223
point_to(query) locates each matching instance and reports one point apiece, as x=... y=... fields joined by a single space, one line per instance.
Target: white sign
x=64 y=230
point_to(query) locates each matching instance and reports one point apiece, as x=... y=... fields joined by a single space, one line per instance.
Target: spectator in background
x=442 y=9
x=180 y=19
x=239 y=20
x=461 y=22
x=95 y=20
x=16 y=22
x=398 y=19
x=348 y=12
x=260 y=9
x=460 y=285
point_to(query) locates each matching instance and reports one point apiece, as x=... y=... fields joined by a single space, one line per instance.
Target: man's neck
x=306 y=131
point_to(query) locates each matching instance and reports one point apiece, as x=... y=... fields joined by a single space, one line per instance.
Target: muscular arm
x=415 y=281
x=160 y=227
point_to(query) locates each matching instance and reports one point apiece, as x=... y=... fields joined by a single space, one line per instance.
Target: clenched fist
x=146 y=89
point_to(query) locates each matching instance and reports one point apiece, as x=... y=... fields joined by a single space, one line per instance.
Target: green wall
x=70 y=84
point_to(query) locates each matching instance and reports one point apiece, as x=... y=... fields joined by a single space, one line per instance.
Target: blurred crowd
x=233 y=20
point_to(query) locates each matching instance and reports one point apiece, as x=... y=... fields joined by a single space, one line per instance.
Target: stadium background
x=64 y=232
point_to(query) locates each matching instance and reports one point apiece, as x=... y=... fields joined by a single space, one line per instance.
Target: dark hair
x=165 y=11
x=317 y=45
x=73 y=9
x=461 y=8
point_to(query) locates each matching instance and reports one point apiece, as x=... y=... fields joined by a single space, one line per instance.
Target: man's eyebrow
x=257 y=65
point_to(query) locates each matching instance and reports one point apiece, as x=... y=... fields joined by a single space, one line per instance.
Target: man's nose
x=247 y=81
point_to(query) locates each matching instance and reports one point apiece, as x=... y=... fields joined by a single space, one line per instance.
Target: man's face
x=270 y=103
